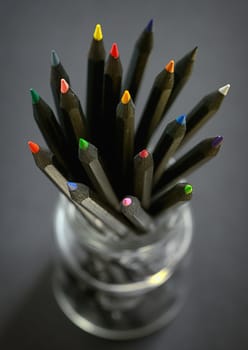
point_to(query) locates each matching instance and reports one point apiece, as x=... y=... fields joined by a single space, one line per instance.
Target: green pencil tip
x=83 y=144
x=188 y=189
x=35 y=96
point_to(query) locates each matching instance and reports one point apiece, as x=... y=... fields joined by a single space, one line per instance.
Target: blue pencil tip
x=54 y=58
x=72 y=186
x=181 y=119
x=149 y=26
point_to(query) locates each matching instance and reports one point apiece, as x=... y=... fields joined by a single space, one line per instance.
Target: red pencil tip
x=64 y=86
x=144 y=154
x=34 y=147
x=114 y=52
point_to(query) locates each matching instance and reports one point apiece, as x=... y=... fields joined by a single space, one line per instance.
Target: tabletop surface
x=215 y=315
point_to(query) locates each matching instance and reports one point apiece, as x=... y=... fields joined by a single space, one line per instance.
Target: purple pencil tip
x=217 y=141
x=149 y=26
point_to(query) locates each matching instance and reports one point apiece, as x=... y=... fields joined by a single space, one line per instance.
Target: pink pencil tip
x=64 y=86
x=126 y=202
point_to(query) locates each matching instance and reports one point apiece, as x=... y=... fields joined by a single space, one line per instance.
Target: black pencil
x=88 y=156
x=183 y=70
x=155 y=105
x=124 y=140
x=95 y=70
x=203 y=111
x=52 y=133
x=131 y=208
x=167 y=145
x=143 y=177
x=137 y=65
x=45 y=161
x=194 y=158
x=57 y=73
x=74 y=122
x=111 y=97
x=90 y=201
x=177 y=195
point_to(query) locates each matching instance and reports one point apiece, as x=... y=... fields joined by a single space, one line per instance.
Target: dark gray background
x=216 y=314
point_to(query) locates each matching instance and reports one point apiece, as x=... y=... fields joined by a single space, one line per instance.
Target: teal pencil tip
x=54 y=58
x=35 y=96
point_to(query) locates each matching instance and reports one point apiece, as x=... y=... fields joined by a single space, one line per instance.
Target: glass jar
x=121 y=287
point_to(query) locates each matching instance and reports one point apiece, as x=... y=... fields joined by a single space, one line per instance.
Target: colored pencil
x=57 y=73
x=183 y=70
x=143 y=177
x=167 y=145
x=44 y=160
x=138 y=62
x=194 y=158
x=131 y=208
x=177 y=195
x=82 y=195
x=111 y=97
x=203 y=111
x=88 y=156
x=155 y=105
x=124 y=140
x=95 y=71
x=74 y=121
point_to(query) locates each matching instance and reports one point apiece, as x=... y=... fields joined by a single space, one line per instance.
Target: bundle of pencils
x=99 y=161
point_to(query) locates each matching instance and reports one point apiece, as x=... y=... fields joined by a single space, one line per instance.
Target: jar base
x=81 y=308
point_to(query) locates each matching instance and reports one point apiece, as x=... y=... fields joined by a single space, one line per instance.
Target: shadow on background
x=39 y=324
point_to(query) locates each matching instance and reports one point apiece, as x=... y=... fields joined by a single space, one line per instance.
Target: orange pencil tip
x=34 y=147
x=114 y=52
x=125 y=97
x=170 y=66
x=64 y=86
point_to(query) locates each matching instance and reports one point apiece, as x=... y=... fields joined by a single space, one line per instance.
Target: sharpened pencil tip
x=64 y=86
x=217 y=141
x=98 y=33
x=125 y=97
x=224 y=89
x=193 y=53
x=170 y=66
x=181 y=119
x=34 y=147
x=114 y=52
x=35 y=96
x=54 y=58
x=126 y=201
x=144 y=154
x=188 y=189
x=72 y=186
x=149 y=26
x=83 y=144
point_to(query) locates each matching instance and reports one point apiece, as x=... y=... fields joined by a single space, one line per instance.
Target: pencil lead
x=144 y=154
x=35 y=96
x=98 y=33
x=126 y=201
x=224 y=89
x=54 y=58
x=125 y=97
x=188 y=189
x=193 y=53
x=181 y=119
x=149 y=26
x=114 y=52
x=34 y=147
x=64 y=86
x=72 y=186
x=217 y=141
x=83 y=144
x=170 y=66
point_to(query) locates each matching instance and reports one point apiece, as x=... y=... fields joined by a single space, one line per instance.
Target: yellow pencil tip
x=98 y=33
x=125 y=97
x=170 y=66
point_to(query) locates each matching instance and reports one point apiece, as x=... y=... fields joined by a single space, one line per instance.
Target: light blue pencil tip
x=72 y=186
x=54 y=58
